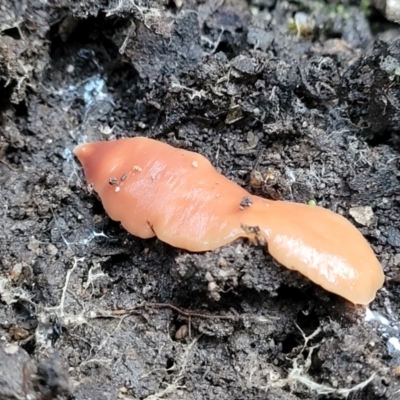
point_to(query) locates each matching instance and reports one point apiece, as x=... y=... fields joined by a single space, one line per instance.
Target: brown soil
x=88 y=311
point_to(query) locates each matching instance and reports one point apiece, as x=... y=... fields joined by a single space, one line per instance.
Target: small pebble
x=16 y=271
x=393 y=236
x=51 y=249
x=19 y=333
x=246 y=202
x=363 y=215
x=11 y=349
x=182 y=332
x=256 y=179
x=33 y=244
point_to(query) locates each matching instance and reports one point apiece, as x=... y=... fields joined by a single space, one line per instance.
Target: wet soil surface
x=291 y=106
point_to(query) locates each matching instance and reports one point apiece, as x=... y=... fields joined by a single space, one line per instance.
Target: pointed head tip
x=90 y=153
x=90 y=157
x=96 y=158
x=82 y=151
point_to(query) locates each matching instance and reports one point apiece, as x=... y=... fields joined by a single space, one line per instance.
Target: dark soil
x=289 y=109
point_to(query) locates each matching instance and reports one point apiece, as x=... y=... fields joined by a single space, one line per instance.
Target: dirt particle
x=123 y=177
x=393 y=236
x=182 y=332
x=117 y=189
x=16 y=271
x=137 y=168
x=256 y=179
x=34 y=245
x=363 y=215
x=255 y=232
x=246 y=202
x=234 y=114
x=302 y=24
x=51 y=250
x=222 y=262
x=106 y=130
x=195 y=164
x=113 y=181
x=19 y=333
x=11 y=349
x=213 y=290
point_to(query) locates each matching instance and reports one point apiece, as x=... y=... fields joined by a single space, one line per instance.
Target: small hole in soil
x=172 y=5
x=21 y=110
x=29 y=347
x=23 y=313
x=115 y=259
x=5 y=93
x=98 y=208
x=316 y=363
x=385 y=382
x=308 y=322
x=286 y=292
x=12 y=32
x=170 y=364
x=290 y=343
x=225 y=47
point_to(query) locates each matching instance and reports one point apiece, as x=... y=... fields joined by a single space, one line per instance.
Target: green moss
x=365 y=7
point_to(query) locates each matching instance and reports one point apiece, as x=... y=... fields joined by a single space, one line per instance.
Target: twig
x=190 y=314
x=8 y=165
x=184 y=313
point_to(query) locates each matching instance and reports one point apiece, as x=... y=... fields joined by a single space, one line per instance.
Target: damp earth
x=293 y=100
